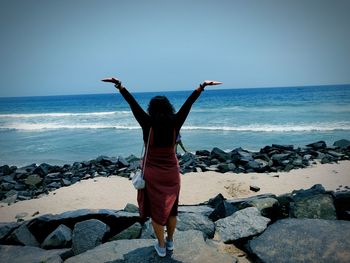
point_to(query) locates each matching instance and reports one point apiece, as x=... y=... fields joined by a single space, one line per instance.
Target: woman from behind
x=161 y=125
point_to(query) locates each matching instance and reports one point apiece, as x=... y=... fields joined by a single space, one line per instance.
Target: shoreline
x=115 y=192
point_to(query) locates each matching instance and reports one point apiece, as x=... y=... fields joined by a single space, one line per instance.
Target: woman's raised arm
x=182 y=114
x=140 y=115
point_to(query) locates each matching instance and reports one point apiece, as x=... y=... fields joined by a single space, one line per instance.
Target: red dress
x=160 y=197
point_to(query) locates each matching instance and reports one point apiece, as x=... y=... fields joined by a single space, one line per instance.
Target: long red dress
x=160 y=197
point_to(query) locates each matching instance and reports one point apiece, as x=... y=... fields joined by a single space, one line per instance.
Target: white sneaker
x=169 y=245
x=161 y=251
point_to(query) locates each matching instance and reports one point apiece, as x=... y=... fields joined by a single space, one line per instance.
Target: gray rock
x=88 y=234
x=268 y=207
x=190 y=246
x=318 y=206
x=61 y=237
x=219 y=154
x=198 y=209
x=343 y=144
x=317 y=145
x=33 y=179
x=244 y=223
x=336 y=154
x=7 y=186
x=303 y=240
x=147 y=230
x=131 y=232
x=27 y=254
x=280 y=157
x=22 y=236
x=131 y=208
x=7 y=228
x=192 y=221
x=254 y=188
x=10 y=200
x=222 y=210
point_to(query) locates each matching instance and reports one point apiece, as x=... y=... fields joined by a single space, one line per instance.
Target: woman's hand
x=210 y=83
x=117 y=83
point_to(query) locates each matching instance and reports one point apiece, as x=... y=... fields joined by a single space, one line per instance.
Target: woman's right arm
x=140 y=115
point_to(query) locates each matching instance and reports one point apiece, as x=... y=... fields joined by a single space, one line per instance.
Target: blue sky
x=66 y=47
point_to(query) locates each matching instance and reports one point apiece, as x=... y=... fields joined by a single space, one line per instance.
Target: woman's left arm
x=182 y=114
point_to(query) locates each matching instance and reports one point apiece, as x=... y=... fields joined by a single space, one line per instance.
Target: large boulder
x=131 y=232
x=59 y=238
x=193 y=221
x=22 y=236
x=303 y=240
x=222 y=210
x=312 y=203
x=317 y=145
x=242 y=224
x=343 y=144
x=268 y=206
x=7 y=228
x=219 y=154
x=28 y=254
x=190 y=246
x=88 y=234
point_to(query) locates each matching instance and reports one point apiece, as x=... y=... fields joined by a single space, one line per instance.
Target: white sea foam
x=247 y=128
x=63 y=114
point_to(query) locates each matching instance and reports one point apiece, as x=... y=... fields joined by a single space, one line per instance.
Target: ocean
x=65 y=129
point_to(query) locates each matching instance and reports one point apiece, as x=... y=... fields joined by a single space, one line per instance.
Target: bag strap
x=146 y=153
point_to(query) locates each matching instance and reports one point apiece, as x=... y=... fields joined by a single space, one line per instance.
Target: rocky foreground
x=310 y=225
x=34 y=180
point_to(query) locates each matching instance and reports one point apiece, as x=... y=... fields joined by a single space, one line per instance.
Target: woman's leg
x=159 y=231
x=170 y=227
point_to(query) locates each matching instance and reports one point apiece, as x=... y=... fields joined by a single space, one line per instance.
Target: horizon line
x=138 y=92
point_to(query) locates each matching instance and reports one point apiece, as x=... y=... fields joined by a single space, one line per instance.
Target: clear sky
x=67 y=46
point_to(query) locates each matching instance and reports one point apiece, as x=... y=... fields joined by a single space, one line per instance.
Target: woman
x=159 y=200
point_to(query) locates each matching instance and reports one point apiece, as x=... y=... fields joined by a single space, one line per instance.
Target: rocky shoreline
x=310 y=225
x=33 y=181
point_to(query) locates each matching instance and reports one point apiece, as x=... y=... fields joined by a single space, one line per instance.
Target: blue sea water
x=64 y=129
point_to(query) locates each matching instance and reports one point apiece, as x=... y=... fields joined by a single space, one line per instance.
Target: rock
x=125 y=163
x=312 y=203
x=88 y=234
x=33 y=179
x=317 y=145
x=336 y=154
x=131 y=232
x=219 y=154
x=254 y=188
x=131 y=208
x=7 y=186
x=242 y=224
x=214 y=202
x=288 y=147
x=203 y=153
x=222 y=210
x=303 y=240
x=190 y=246
x=268 y=207
x=226 y=167
x=5 y=170
x=22 y=236
x=198 y=209
x=42 y=169
x=7 y=228
x=342 y=144
x=61 y=237
x=192 y=221
x=278 y=158
x=27 y=254
x=342 y=204
x=65 y=182
x=147 y=231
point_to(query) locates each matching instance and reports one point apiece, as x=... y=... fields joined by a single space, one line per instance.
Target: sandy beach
x=115 y=192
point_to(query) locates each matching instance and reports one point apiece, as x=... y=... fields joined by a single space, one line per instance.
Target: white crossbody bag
x=137 y=177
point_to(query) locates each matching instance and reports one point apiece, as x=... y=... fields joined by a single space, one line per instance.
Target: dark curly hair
x=160 y=108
